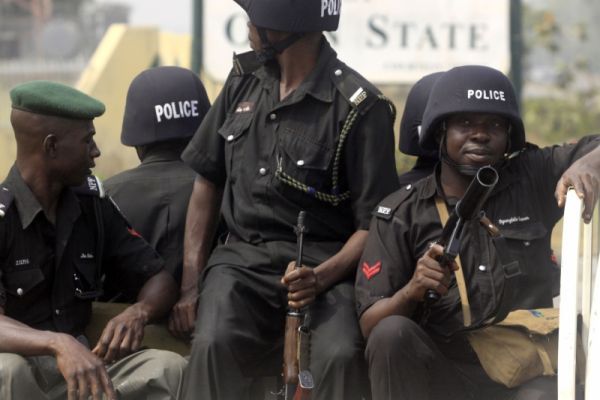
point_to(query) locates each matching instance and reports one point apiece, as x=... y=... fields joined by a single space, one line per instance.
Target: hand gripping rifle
x=296 y=375
x=466 y=209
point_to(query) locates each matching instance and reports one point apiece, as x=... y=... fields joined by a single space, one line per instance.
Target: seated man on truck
x=58 y=237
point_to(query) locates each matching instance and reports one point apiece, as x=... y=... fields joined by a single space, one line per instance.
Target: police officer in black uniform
x=165 y=106
x=410 y=127
x=56 y=243
x=473 y=119
x=293 y=129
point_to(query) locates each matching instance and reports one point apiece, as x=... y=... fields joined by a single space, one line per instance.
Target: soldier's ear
x=50 y=145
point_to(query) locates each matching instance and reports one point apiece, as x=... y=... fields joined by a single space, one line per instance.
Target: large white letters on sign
x=388 y=41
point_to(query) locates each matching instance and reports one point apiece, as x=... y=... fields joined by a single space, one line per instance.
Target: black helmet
x=476 y=89
x=163 y=103
x=410 y=125
x=298 y=16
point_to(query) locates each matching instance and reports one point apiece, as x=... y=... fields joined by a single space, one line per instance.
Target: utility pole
x=197 y=45
x=516 y=46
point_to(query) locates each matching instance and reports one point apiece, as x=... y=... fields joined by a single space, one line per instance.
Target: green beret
x=56 y=99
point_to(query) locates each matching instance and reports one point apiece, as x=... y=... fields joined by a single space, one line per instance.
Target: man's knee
x=341 y=351
x=212 y=340
x=13 y=366
x=392 y=335
x=162 y=361
x=149 y=372
x=16 y=376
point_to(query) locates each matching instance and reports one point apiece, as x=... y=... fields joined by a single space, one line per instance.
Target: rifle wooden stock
x=290 y=350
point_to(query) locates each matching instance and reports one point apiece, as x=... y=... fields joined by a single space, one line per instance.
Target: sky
x=171 y=15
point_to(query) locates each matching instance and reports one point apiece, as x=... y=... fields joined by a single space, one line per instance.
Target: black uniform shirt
x=47 y=269
x=154 y=198
x=248 y=133
x=423 y=167
x=522 y=206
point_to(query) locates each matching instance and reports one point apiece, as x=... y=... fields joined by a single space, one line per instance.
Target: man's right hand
x=84 y=372
x=183 y=316
x=429 y=274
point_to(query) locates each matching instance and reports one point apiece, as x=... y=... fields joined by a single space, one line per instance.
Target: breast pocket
x=233 y=131
x=86 y=280
x=21 y=282
x=525 y=240
x=306 y=160
x=529 y=245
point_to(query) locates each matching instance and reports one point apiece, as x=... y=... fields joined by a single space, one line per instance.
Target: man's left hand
x=302 y=285
x=122 y=335
x=584 y=177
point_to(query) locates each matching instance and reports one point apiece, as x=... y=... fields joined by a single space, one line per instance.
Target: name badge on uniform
x=244 y=107
x=383 y=212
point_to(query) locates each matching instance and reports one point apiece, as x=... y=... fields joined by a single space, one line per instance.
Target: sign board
x=387 y=41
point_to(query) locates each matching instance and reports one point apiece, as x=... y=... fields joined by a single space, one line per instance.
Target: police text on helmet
x=176 y=110
x=330 y=7
x=486 y=94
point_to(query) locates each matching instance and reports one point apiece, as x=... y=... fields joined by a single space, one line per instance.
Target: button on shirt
x=522 y=206
x=249 y=130
x=44 y=266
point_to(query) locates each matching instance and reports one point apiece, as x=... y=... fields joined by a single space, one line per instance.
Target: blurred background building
x=100 y=45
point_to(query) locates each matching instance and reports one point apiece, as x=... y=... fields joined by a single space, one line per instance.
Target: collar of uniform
x=428 y=186
x=268 y=75
x=27 y=205
x=508 y=175
x=313 y=84
x=431 y=185
x=68 y=208
x=162 y=155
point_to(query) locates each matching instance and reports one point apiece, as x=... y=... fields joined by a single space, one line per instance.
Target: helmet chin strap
x=466 y=169
x=269 y=50
x=463 y=169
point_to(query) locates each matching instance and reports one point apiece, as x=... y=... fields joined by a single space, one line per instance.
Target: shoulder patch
x=91 y=187
x=384 y=212
x=385 y=209
x=6 y=199
x=354 y=88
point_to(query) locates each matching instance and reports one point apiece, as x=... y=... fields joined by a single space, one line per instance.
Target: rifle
x=466 y=209
x=296 y=376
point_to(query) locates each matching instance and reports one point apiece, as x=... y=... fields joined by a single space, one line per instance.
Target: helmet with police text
x=298 y=16
x=163 y=103
x=472 y=89
x=412 y=117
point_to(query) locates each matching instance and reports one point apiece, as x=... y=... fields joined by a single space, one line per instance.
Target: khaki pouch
x=520 y=348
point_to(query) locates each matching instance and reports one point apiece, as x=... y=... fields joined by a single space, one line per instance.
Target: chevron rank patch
x=371 y=270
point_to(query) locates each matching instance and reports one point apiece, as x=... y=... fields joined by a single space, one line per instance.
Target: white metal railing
x=577 y=289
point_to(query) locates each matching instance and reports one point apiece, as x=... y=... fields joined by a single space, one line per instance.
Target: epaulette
x=355 y=89
x=245 y=63
x=386 y=207
x=91 y=187
x=6 y=199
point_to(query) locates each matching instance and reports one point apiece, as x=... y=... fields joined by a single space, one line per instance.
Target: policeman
x=165 y=106
x=58 y=237
x=293 y=129
x=410 y=126
x=473 y=119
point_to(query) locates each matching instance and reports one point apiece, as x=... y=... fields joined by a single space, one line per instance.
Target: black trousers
x=240 y=326
x=406 y=363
